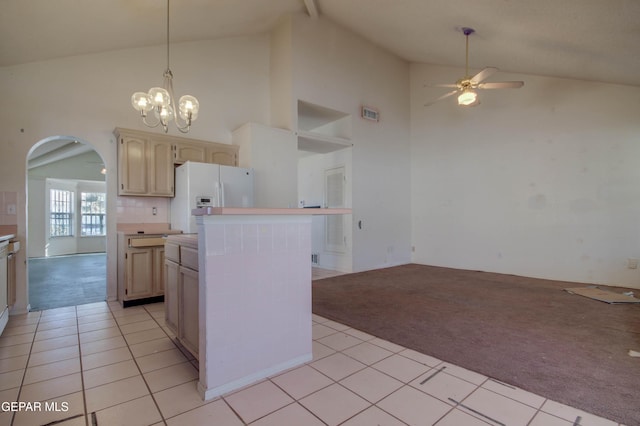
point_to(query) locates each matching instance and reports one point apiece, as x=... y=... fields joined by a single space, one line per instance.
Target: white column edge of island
x=254 y=294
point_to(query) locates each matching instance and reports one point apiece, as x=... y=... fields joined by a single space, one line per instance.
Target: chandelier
x=162 y=101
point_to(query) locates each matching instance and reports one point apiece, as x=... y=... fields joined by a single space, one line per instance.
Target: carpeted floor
x=523 y=331
x=60 y=281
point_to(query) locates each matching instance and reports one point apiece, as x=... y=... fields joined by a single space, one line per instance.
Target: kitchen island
x=254 y=300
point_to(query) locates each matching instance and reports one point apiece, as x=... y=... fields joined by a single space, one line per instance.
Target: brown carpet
x=523 y=331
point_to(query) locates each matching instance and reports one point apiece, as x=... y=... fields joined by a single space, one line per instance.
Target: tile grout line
x=460 y=404
x=189 y=361
x=441 y=364
x=84 y=394
x=164 y=421
x=296 y=400
x=222 y=398
x=480 y=386
x=337 y=382
x=538 y=409
x=13 y=416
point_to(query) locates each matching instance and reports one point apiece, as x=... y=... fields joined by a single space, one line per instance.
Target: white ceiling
x=596 y=40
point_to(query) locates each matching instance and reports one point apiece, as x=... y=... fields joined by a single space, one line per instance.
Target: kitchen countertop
x=6 y=237
x=221 y=211
x=187 y=239
x=150 y=234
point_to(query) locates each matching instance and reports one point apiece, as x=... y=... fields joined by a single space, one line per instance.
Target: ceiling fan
x=467 y=85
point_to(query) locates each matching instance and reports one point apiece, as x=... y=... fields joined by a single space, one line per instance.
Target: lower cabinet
x=172 y=277
x=140 y=269
x=182 y=291
x=188 y=330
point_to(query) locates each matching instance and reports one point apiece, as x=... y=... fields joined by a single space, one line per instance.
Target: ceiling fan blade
x=483 y=75
x=446 y=95
x=502 y=85
x=441 y=85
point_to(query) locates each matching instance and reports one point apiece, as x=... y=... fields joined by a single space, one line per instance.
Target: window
x=61 y=224
x=93 y=214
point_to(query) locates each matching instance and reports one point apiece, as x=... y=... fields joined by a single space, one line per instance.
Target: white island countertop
x=259 y=211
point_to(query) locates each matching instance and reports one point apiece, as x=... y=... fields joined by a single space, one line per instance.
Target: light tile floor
x=99 y=364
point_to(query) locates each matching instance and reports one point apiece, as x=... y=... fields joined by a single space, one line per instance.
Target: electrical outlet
x=632 y=263
x=11 y=209
x=154 y=210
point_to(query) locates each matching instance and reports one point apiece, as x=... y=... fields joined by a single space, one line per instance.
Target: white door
x=335 y=238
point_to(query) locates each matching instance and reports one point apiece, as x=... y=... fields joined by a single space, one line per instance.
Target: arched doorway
x=66 y=223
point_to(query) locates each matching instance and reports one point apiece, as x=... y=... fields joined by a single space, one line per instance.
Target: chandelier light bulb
x=141 y=102
x=165 y=114
x=188 y=107
x=159 y=97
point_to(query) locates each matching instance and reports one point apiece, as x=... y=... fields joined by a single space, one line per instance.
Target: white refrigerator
x=224 y=186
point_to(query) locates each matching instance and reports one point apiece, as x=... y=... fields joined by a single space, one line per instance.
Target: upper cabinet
x=146 y=160
x=215 y=153
x=184 y=152
x=160 y=168
x=222 y=154
x=132 y=165
x=145 y=165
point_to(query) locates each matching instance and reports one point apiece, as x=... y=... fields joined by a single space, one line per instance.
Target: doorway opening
x=66 y=224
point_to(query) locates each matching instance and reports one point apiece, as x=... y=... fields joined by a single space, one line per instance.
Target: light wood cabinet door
x=139 y=273
x=11 y=279
x=132 y=166
x=171 y=276
x=223 y=155
x=160 y=166
x=184 y=151
x=159 y=279
x=188 y=327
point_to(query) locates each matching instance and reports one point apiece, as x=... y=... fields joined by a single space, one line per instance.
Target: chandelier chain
x=162 y=101
x=168 y=38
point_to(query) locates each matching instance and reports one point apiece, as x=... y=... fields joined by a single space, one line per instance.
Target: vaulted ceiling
x=596 y=40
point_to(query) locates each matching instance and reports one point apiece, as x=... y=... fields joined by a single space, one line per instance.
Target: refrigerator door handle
x=221 y=194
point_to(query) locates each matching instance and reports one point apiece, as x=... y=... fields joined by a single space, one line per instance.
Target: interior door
x=335 y=237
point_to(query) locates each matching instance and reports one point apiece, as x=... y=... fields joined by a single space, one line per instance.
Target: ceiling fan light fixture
x=468 y=98
x=466 y=87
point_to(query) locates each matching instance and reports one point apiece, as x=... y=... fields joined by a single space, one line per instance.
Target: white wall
x=86 y=97
x=339 y=70
x=542 y=181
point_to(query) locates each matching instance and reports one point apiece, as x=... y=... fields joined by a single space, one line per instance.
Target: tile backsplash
x=141 y=209
x=8 y=208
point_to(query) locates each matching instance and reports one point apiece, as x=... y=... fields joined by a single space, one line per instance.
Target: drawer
x=172 y=252
x=146 y=242
x=188 y=257
x=14 y=246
